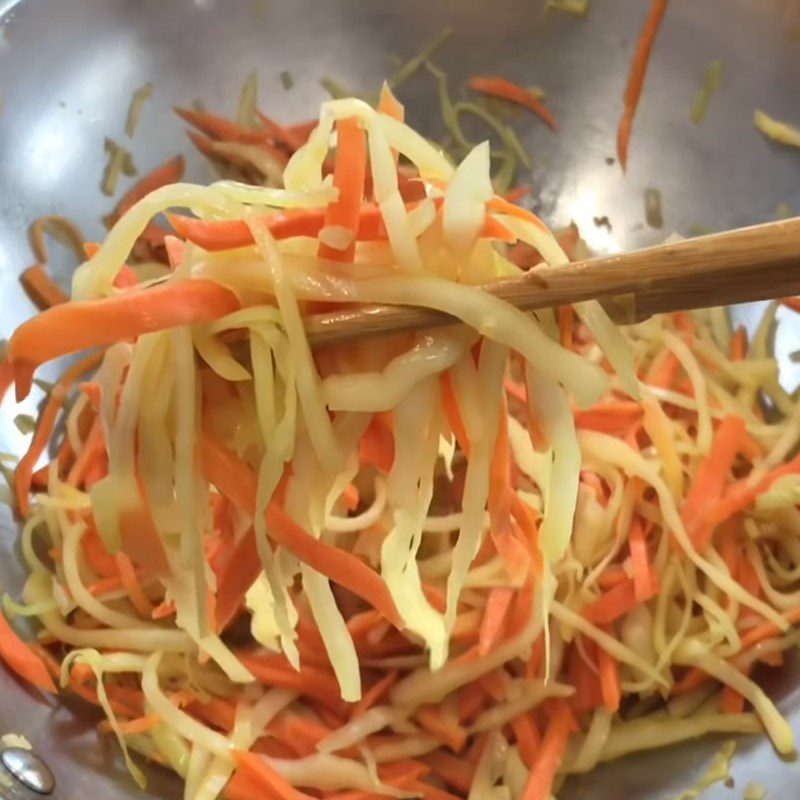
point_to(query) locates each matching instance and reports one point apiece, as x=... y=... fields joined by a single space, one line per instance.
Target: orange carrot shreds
x=303 y=732
x=388 y=104
x=711 y=477
x=132 y=583
x=430 y=792
x=76 y=326
x=640 y=560
x=614 y=417
x=97 y=557
x=693 y=679
x=348 y=177
x=768 y=630
x=236 y=480
x=454 y=771
x=218 y=712
x=375 y=694
x=581 y=671
x=513 y=93
x=22 y=660
x=45 y=427
x=633 y=90
x=448 y=732
x=663 y=371
x=41 y=288
x=221 y=127
x=376 y=446
x=453 y=412
x=610 y=681
x=275 y=670
x=170 y=171
x=130 y=726
x=792 y=303
x=240 y=569
x=350 y=497
x=494 y=617
x=502 y=206
x=738 y=347
x=94 y=449
x=266 y=776
x=566 y=322
x=616 y=602
x=730 y=701
x=528 y=738
x=548 y=757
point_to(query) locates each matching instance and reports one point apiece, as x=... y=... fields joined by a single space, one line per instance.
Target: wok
x=67 y=72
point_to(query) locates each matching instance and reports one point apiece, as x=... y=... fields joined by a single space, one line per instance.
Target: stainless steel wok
x=67 y=71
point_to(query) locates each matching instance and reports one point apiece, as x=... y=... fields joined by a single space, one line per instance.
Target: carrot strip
x=452 y=411
x=376 y=692
x=22 y=660
x=130 y=580
x=348 y=177
x=792 y=303
x=170 y=171
x=693 y=679
x=616 y=602
x=610 y=681
x=235 y=579
x=549 y=755
x=613 y=417
x=93 y=448
x=513 y=93
x=266 y=776
x=566 y=321
x=138 y=725
x=494 y=617
x=663 y=371
x=730 y=701
x=44 y=430
x=709 y=482
x=41 y=288
x=454 y=771
x=274 y=670
x=528 y=738
x=738 y=349
x=220 y=127
x=429 y=792
x=376 y=445
x=768 y=630
x=218 y=712
x=235 y=479
x=636 y=78
x=75 y=326
x=448 y=732
x=640 y=560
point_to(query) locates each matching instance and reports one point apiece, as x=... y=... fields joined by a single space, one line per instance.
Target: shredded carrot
x=494 y=616
x=131 y=582
x=566 y=321
x=348 y=178
x=514 y=93
x=93 y=449
x=616 y=602
x=739 y=344
x=41 y=288
x=550 y=753
x=22 y=660
x=266 y=776
x=430 y=792
x=730 y=701
x=633 y=90
x=453 y=413
x=709 y=482
x=374 y=694
x=170 y=171
x=610 y=682
x=131 y=726
x=640 y=560
x=613 y=417
x=455 y=772
x=376 y=446
x=528 y=738
x=75 y=326
x=45 y=428
x=449 y=732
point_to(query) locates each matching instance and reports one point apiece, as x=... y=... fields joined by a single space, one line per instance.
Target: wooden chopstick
x=756 y=263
